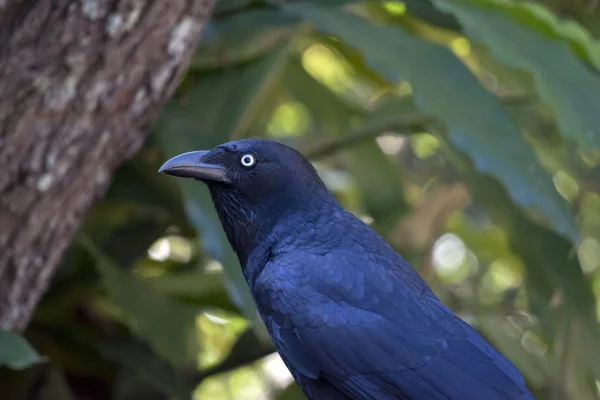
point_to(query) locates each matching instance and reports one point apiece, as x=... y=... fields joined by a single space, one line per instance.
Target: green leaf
x=396 y=115
x=225 y=6
x=136 y=182
x=216 y=108
x=138 y=208
x=444 y=87
x=221 y=105
x=562 y=80
x=427 y=12
x=168 y=325
x=291 y=392
x=187 y=283
x=15 y=352
x=330 y=111
x=55 y=386
x=578 y=382
x=247 y=349
x=206 y=289
x=550 y=264
x=142 y=367
x=536 y=16
x=243 y=37
x=504 y=336
x=69 y=343
x=383 y=195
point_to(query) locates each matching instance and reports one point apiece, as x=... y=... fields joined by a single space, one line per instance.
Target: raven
x=349 y=316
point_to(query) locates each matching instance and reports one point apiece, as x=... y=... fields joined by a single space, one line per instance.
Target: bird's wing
x=373 y=337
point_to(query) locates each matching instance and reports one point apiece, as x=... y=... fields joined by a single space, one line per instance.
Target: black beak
x=190 y=165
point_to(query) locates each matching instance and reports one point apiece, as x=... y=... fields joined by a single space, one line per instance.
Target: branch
x=405 y=124
x=229 y=364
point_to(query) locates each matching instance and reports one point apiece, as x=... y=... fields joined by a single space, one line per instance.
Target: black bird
x=350 y=317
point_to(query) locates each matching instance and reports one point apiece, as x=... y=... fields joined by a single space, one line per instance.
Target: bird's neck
x=239 y=220
x=250 y=227
x=308 y=231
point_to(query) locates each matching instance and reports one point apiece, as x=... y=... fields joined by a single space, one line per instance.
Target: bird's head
x=254 y=183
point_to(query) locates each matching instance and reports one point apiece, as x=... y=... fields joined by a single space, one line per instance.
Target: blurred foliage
x=464 y=131
x=15 y=352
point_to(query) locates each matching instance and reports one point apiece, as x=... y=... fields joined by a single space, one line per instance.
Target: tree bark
x=80 y=82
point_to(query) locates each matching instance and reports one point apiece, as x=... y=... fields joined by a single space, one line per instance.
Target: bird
x=349 y=316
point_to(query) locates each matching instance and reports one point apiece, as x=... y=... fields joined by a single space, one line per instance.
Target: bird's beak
x=191 y=165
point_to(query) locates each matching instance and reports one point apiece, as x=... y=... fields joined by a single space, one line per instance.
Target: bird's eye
x=248 y=160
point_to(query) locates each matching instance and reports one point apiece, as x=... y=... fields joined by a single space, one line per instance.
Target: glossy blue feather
x=348 y=315
x=350 y=311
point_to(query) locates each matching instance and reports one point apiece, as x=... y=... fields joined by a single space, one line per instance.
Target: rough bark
x=80 y=82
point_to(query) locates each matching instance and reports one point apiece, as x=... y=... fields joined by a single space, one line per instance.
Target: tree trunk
x=80 y=82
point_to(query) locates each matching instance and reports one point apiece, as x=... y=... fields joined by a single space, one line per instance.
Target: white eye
x=248 y=160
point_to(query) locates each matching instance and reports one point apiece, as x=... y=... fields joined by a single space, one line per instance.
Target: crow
x=348 y=315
